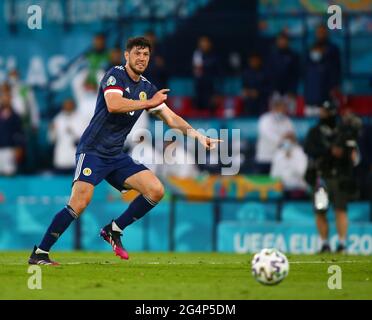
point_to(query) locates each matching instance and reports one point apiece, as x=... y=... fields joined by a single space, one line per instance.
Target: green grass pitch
x=211 y=276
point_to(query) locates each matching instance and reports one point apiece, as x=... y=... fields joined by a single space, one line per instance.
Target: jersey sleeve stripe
x=113 y=87
x=113 y=91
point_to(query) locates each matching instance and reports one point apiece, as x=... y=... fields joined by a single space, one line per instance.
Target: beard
x=135 y=70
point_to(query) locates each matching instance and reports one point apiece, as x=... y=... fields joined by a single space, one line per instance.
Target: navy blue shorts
x=93 y=169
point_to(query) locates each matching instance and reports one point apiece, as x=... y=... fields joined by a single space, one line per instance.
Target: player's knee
x=156 y=192
x=79 y=203
x=83 y=203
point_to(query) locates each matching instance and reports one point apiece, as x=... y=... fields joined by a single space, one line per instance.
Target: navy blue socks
x=60 y=223
x=136 y=210
x=62 y=220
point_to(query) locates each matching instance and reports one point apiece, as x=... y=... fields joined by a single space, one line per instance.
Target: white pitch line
x=190 y=263
x=318 y=262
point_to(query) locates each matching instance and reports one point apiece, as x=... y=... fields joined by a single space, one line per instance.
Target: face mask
x=287 y=145
x=315 y=55
x=13 y=80
x=279 y=116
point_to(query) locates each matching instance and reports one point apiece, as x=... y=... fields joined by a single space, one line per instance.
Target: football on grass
x=269 y=266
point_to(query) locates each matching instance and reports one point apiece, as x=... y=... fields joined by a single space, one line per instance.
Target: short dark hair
x=140 y=42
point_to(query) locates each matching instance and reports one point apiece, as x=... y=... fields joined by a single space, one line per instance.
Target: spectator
x=205 y=66
x=157 y=69
x=97 y=59
x=364 y=170
x=116 y=58
x=25 y=105
x=284 y=70
x=172 y=163
x=175 y=161
x=11 y=136
x=23 y=101
x=65 y=132
x=255 y=87
x=289 y=164
x=142 y=150
x=85 y=95
x=273 y=126
x=322 y=72
x=85 y=83
x=331 y=52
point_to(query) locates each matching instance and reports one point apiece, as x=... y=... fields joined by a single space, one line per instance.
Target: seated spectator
x=11 y=136
x=205 y=67
x=273 y=126
x=283 y=62
x=289 y=164
x=255 y=87
x=65 y=132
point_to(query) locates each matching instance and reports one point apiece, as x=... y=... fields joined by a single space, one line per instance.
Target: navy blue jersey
x=106 y=133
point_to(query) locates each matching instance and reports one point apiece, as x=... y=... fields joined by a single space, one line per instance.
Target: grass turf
x=211 y=276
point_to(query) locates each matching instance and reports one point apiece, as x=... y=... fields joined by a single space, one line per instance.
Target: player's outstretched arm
x=176 y=122
x=116 y=103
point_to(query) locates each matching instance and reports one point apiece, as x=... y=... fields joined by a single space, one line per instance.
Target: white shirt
x=290 y=169
x=272 y=127
x=24 y=104
x=143 y=152
x=177 y=162
x=85 y=99
x=8 y=163
x=66 y=131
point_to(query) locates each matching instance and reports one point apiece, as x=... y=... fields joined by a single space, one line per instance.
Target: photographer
x=333 y=152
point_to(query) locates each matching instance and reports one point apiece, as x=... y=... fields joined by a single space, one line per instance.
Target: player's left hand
x=209 y=143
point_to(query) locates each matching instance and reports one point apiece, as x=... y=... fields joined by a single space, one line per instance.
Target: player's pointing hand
x=159 y=98
x=209 y=143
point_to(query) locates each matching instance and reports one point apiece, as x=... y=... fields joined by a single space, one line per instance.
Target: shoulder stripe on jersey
x=113 y=91
x=113 y=87
x=144 y=79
